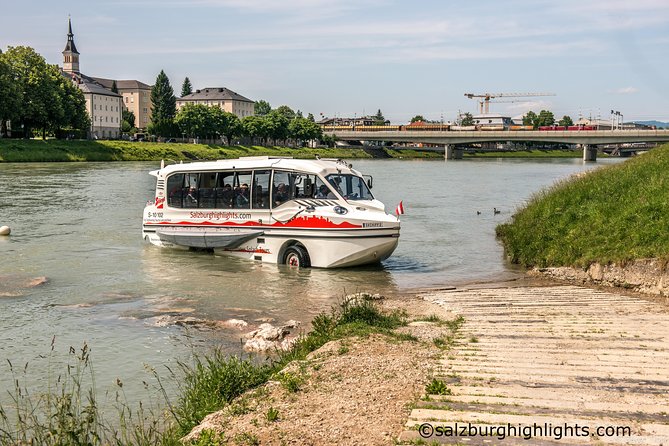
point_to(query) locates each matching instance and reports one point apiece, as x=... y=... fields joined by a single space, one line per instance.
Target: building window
x=132 y=100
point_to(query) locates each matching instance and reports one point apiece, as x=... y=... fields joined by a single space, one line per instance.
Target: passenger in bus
x=226 y=196
x=242 y=198
x=191 y=198
x=281 y=194
x=324 y=192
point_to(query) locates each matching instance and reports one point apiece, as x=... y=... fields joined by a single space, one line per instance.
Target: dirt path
x=552 y=357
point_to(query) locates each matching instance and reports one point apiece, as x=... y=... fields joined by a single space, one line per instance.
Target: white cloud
x=627 y=90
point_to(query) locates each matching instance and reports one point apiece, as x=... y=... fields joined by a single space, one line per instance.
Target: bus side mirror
x=369 y=180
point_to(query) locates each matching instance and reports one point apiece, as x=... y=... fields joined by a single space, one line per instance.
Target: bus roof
x=318 y=166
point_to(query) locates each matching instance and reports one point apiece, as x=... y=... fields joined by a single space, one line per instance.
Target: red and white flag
x=399 y=210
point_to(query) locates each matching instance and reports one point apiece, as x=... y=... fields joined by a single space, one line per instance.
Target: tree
x=42 y=97
x=262 y=108
x=194 y=120
x=417 y=118
x=466 y=119
x=164 y=106
x=545 y=117
x=232 y=126
x=566 y=121
x=255 y=127
x=379 y=119
x=11 y=94
x=530 y=118
x=277 y=125
x=311 y=118
x=114 y=88
x=129 y=117
x=302 y=129
x=75 y=117
x=286 y=111
x=186 y=88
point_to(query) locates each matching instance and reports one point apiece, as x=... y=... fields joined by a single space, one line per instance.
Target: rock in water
x=5 y=230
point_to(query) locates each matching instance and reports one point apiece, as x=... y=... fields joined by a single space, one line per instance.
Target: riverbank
x=520 y=352
x=63 y=151
x=52 y=150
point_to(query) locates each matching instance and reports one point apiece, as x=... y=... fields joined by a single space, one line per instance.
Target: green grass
x=13 y=150
x=69 y=414
x=614 y=214
x=53 y=150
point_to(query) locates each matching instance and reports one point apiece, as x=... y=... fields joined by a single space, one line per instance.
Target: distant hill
x=658 y=124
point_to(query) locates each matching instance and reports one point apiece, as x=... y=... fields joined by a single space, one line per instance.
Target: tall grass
x=613 y=214
x=68 y=412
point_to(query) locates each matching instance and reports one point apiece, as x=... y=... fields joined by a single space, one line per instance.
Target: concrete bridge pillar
x=452 y=153
x=589 y=152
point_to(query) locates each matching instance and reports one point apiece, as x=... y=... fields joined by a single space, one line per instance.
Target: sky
x=353 y=57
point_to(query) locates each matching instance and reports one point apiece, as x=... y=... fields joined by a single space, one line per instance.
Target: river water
x=78 y=225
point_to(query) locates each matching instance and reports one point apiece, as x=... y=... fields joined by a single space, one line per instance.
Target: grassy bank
x=13 y=150
x=61 y=151
x=613 y=214
x=70 y=414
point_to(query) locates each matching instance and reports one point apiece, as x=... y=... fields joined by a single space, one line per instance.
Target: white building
x=227 y=100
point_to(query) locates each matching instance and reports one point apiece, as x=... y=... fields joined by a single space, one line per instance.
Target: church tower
x=70 y=54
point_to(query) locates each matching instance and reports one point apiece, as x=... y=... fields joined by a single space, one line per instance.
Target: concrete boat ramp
x=553 y=365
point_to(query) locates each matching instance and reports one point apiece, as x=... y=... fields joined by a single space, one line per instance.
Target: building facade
x=136 y=98
x=224 y=98
x=104 y=107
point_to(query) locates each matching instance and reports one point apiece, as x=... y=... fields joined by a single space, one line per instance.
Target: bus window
x=206 y=191
x=241 y=188
x=190 y=190
x=174 y=190
x=261 y=189
x=224 y=192
x=283 y=187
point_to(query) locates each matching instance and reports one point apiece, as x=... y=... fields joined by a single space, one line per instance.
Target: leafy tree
x=11 y=94
x=298 y=114
x=545 y=117
x=262 y=108
x=286 y=111
x=194 y=120
x=256 y=127
x=311 y=118
x=231 y=126
x=417 y=118
x=164 y=106
x=129 y=117
x=75 y=117
x=379 y=119
x=41 y=97
x=303 y=129
x=114 y=88
x=566 y=121
x=466 y=119
x=277 y=124
x=530 y=118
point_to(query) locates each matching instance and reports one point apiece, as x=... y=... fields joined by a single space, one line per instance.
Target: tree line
x=201 y=121
x=37 y=98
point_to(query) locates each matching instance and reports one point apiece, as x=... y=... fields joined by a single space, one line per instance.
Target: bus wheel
x=296 y=256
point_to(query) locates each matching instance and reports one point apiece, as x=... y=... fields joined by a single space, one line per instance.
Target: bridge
x=588 y=139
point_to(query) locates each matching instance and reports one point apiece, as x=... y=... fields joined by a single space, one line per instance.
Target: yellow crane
x=484 y=103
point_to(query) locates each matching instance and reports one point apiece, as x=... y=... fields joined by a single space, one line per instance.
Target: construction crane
x=484 y=103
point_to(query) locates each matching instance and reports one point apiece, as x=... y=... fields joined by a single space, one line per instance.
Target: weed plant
x=68 y=413
x=614 y=214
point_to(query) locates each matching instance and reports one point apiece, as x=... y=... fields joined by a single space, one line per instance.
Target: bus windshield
x=350 y=187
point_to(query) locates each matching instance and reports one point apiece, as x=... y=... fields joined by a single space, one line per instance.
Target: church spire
x=70 y=53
